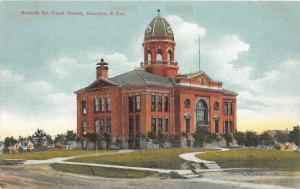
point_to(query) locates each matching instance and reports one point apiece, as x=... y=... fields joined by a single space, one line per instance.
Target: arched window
x=149 y=57
x=169 y=56
x=216 y=106
x=187 y=103
x=202 y=113
x=159 y=56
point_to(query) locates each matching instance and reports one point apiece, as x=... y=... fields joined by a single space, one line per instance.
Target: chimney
x=102 y=69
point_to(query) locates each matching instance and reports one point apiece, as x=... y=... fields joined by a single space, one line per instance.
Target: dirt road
x=42 y=176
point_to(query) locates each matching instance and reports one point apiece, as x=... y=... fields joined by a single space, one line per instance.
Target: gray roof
x=139 y=76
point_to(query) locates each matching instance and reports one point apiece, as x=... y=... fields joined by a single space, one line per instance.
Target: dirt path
x=42 y=176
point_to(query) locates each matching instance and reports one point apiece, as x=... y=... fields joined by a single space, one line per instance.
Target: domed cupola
x=159 y=47
x=159 y=27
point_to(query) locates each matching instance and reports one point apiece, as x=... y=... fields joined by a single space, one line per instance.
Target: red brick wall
x=176 y=124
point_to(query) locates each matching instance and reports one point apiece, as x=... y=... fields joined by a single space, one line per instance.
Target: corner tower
x=159 y=48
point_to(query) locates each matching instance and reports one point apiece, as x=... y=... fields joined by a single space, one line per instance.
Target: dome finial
x=158 y=12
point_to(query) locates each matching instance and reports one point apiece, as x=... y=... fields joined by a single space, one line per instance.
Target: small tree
x=161 y=139
x=266 y=139
x=281 y=137
x=60 y=139
x=240 y=138
x=41 y=140
x=228 y=138
x=8 y=142
x=294 y=135
x=71 y=136
x=201 y=136
x=151 y=135
x=92 y=137
x=107 y=140
x=251 y=138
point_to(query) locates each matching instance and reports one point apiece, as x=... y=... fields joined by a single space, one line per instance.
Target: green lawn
x=255 y=158
x=101 y=171
x=167 y=158
x=47 y=154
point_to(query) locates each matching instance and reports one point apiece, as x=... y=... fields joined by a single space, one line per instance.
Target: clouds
x=36 y=98
x=9 y=78
x=30 y=104
x=64 y=66
x=118 y=62
x=228 y=48
x=185 y=31
x=186 y=36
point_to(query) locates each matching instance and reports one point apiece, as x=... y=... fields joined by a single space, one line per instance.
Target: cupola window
x=169 y=57
x=159 y=56
x=149 y=57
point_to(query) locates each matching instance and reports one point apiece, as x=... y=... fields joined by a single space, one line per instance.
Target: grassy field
x=101 y=171
x=9 y=162
x=47 y=154
x=254 y=158
x=167 y=158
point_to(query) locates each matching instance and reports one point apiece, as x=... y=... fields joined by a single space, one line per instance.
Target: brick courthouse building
x=154 y=98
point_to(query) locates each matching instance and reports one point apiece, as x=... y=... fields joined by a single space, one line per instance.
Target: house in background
x=154 y=98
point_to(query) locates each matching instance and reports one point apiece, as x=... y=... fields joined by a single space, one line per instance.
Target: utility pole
x=199 y=54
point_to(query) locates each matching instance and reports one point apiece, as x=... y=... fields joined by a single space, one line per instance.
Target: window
x=187 y=124
x=159 y=103
x=97 y=127
x=102 y=104
x=216 y=126
x=137 y=103
x=231 y=127
x=202 y=112
x=108 y=126
x=169 y=56
x=159 y=56
x=153 y=125
x=226 y=108
x=130 y=102
x=226 y=127
x=83 y=106
x=159 y=124
x=166 y=125
x=187 y=103
x=166 y=103
x=153 y=103
x=84 y=128
x=131 y=128
x=149 y=57
x=108 y=105
x=102 y=127
x=137 y=125
x=229 y=108
x=96 y=104
x=216 y=106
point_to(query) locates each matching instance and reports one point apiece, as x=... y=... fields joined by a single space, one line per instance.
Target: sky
x=252 y=47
